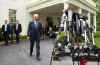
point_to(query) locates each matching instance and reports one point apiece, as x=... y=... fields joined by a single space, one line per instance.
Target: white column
x=80 y=10
x=94 y=22
x=66 y=5
x=89 y=18
x=64 y=20
x=94 y=18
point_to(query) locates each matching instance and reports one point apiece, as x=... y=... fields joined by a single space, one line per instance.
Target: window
x=12 y=15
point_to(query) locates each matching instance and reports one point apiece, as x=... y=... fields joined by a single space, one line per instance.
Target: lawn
x=97 y=38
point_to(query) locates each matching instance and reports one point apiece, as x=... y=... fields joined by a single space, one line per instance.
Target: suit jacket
x=3 y=28
x=19 y=29
x=34 y=33
x=11 y=28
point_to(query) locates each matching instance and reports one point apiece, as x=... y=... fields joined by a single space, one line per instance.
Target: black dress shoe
x=6 y=44
x=17 y=42
x=38 y=58
x=30 y=55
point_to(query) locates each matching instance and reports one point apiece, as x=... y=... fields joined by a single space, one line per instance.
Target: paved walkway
x=18 y=54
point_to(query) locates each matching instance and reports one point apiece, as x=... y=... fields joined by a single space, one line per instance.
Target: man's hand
x=28 y=38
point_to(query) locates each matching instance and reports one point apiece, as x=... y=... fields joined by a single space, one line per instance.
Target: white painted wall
x=24 y=17
x=4 y=6
x=22 y=14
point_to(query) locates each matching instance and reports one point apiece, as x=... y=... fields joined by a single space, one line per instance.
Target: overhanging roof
x=32 y=6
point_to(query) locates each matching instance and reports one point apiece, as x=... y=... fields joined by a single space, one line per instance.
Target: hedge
x=14 y=36
x=1 y=36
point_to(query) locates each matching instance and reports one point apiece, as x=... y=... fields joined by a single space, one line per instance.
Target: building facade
x=45 y=8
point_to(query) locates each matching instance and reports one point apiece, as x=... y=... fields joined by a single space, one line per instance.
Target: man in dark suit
x=17 y=30
x=11 y=31
x=34 y=30
x=5 y=30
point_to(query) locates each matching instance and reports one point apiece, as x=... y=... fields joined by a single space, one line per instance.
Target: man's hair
x=35 y=15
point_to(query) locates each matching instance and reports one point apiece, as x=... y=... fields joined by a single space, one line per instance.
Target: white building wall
x=22 y=15
x=4 y=6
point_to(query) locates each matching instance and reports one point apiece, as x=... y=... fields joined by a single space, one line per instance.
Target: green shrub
x=23 y=36
x=14 y=36
x=97 y=38
x=61 y=36
x=1 y=35
x=20 y=36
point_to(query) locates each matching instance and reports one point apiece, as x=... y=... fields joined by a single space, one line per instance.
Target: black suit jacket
x=19 y=30
x=34 y=33
x=3 y=28
x=11 y=28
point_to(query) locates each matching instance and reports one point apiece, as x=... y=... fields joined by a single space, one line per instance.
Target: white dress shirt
x=5 y=27
x=35 y=22
x=16 y=26
x=70 y=15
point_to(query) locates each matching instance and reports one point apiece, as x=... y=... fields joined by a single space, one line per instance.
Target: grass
x=97 y=38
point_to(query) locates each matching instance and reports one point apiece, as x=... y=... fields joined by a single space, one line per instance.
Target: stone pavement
x=18 y=54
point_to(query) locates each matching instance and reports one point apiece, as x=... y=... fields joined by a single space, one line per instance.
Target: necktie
x=36 y=25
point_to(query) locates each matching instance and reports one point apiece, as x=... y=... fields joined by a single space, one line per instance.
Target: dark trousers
x=37 y=47
x=11 y=37
x=17 y=37
x=6 y=38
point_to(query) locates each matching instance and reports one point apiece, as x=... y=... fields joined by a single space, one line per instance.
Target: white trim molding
x=46 y=3
x=80 y=10
x=89 y=18
x=95 y=23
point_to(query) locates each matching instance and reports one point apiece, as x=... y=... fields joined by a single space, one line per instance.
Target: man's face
x=5 y=21
x=36 y=18
x=17 y=22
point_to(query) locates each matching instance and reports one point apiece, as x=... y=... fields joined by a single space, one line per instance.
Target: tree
x=98 y=12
